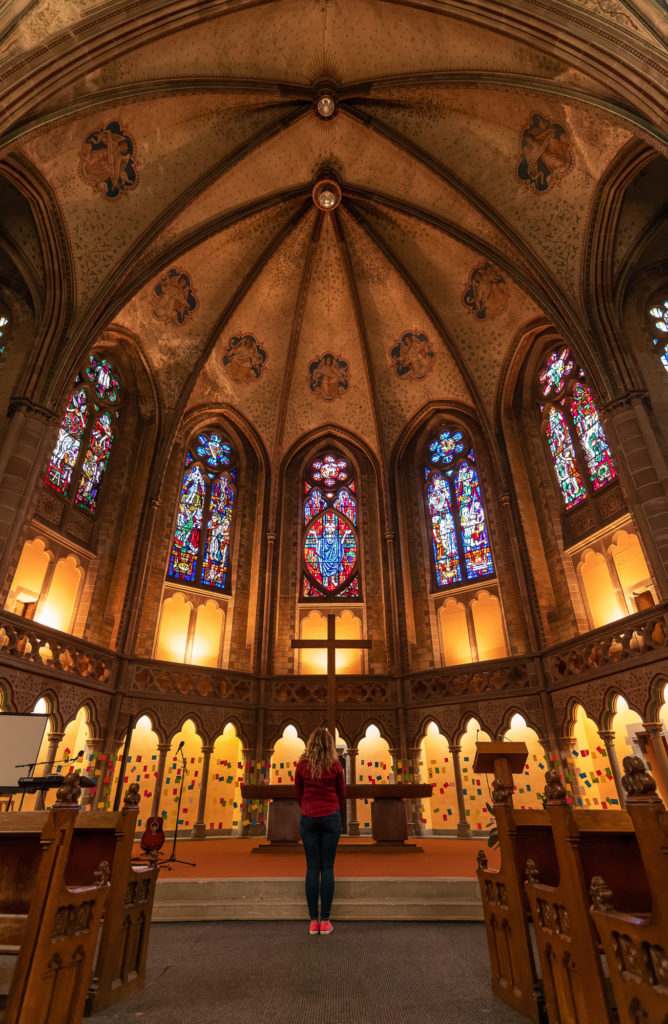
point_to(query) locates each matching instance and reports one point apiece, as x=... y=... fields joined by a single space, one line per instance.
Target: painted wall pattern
x=107 y=160
x=546 y=153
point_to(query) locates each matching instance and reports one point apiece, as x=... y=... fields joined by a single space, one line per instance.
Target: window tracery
x=200 y=553
x=86 y=435
x=461 y=551
x=578 y=445
x=330 y=545
x=659 y=316
x=4 y=330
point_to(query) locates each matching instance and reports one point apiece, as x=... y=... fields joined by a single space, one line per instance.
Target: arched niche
x=531 y=784
x=475 y=787
x=663 y=710
x=313 y=626
x=593 y=783
x=488 y=624
x=436 y=767
x=288 y=748
x=142 y=765
x=173 y=629
x=188 y=767
x=209 y=631
x=374 y=765
x=598 y=588
x=455 y=642
x=632 y=571
x=58 y=605
x=26 y=586
x=625 y=724
x=224 y=788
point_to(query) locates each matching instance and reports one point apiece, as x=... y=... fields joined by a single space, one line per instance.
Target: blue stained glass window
x=204 y=519
x=95 y=463
x=313 y=504
x=460 y=542
x=592 y=437
x=66 y=452
x=659 y=315
x=99 y=371
x=563 y=456
x=329 y=544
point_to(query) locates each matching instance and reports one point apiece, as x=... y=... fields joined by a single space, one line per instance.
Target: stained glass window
x=66 y=452
x=100 y=373
x=460 y=544
x=659 y=315
x=204 y=517
x=578 y=445
x=95 y=462
x=329 y=544
x=4 y=324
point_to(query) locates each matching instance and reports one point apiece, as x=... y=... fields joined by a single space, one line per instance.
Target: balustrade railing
x=465 y=680
x=313 y=690
x=191 y=680
x=47 y=648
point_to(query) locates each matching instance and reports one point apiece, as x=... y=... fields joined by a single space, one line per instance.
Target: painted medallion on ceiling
x=173 y=297
x=546 y=153
x=487 y=293
x=412 y=356
x=328 y=377
x=107 y=160
x=244 y=359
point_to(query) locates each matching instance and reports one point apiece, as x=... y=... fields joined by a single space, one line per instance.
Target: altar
x=389 y=827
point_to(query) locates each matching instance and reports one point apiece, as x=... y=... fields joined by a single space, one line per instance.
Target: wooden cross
x=331 y=645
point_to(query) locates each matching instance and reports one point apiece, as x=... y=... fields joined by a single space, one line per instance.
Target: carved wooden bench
x=49 y=915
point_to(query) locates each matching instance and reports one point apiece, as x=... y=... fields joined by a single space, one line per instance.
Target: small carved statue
x=531 y=871
x=555 y=791
x=102 y=874
x=637 y=781
x=132 y=796
x=501 y=793
x=601 y=895
x=70 y=791
x=482 y=860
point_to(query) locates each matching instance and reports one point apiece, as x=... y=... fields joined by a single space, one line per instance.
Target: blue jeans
x=320 y=837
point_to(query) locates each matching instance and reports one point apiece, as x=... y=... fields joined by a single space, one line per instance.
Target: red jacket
x=319 y=797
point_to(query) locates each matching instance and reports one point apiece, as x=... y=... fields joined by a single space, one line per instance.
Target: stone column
x=247 y=757
x=163 y=750
x=609 y=741
x=51 y=751
x=652 y=746
x=412 y=812
x=394 y=634
x=353 y=823
x=463 y=827
x=99 y=794
x=198 y=830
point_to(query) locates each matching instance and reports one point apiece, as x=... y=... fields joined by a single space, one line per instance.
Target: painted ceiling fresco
x=182 y=154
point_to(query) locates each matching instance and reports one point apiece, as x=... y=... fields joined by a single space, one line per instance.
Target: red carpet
x=232 y=858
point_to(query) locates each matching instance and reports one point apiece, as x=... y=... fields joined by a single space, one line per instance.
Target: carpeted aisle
x=232 y=858
x=243 y=972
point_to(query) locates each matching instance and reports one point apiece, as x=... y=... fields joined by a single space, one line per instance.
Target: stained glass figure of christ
x=329 y=518
x=460 y=540
x=203 y=529
x=581 y=458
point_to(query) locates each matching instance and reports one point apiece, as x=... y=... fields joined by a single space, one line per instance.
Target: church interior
x=334 y=391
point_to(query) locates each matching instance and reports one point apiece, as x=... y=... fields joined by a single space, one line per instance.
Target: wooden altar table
x=389 y=827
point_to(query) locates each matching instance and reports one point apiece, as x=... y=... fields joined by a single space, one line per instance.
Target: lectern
x=502 y=760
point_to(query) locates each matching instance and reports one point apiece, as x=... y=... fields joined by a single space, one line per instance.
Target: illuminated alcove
x=454 y=632
x=209 y=621
x=663 y=710
x=173 y=629
x=632 y=570
x=76 y=736
x=594 y=782
x=476 y=788
x=625 y=724
x=348 y=626
x=142 y=765
x=192 y=752
x=374 y=765
x=30 y=801
x=599 y=589
x=29 y=578
x=224 y=787
x=435 y=764
x=287 y=750
x=57 y=608
x=488 y=624
x=531 y=784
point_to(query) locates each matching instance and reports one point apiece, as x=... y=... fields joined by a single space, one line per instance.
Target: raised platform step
x=282 y=899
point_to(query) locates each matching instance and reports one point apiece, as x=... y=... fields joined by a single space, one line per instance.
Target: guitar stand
x=173 y=859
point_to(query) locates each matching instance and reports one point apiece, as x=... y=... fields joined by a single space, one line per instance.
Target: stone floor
x=249 y=972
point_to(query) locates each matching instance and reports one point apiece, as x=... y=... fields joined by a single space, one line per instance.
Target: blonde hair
x=320 y=751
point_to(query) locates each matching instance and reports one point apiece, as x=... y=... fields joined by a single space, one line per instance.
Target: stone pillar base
x=198 y=831
x=353 y=828
x=257 y=830
x=463 y=830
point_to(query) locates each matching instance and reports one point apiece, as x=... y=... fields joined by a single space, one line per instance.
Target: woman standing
x=321 y=790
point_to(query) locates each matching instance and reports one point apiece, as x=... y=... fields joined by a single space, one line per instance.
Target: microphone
x=181 y=746
x=79 y=755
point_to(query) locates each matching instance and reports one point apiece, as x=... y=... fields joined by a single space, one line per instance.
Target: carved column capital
x=653 y=728
x=271 y=537
x=389 y=536
x=607 y=736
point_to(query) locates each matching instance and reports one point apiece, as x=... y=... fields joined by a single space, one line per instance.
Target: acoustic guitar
x=154 y=836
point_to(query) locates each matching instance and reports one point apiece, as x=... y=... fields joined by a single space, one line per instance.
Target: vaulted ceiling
x=468 y=152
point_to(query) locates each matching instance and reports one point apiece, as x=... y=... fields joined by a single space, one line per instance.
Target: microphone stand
x=31 y=765
x=173 y=859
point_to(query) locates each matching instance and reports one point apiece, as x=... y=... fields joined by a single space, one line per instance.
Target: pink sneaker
x=326 y=927
x=314 y=928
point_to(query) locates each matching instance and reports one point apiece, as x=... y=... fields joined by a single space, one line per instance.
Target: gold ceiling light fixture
x=326 y=194
x=325 y=103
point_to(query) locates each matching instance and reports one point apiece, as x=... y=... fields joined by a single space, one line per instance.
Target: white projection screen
x=20 y=739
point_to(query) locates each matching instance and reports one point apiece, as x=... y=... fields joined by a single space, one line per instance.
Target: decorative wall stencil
x=328 y=376
x=107 y=160
x=174 y=298
x=412 y=356
x=546 y=153
x=244 y=360
x=487 y=292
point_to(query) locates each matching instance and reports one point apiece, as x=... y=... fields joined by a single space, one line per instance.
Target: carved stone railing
x=639 y=637
x=313 y=690
x=54 y=652
x=466 y=680
x=191 y=680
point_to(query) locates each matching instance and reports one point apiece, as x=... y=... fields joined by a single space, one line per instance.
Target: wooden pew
x=120 y=966
x=49 y=917
x=587 y=843
x=636 y=942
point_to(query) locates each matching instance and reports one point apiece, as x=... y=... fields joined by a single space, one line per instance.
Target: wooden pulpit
x=500 y=759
